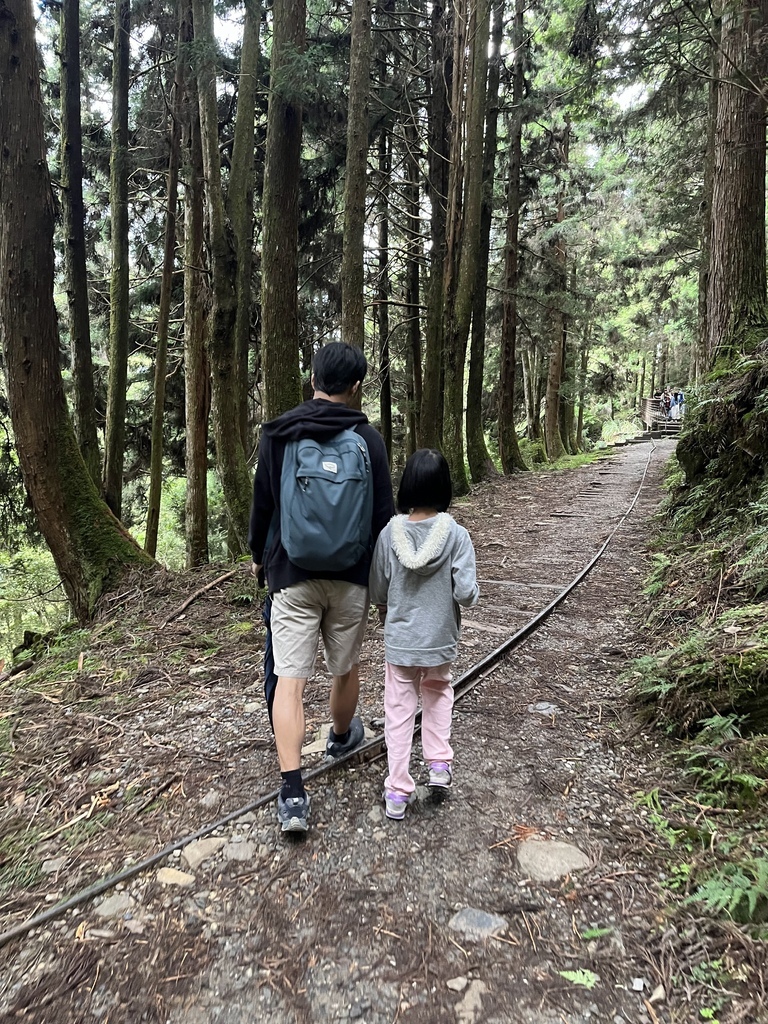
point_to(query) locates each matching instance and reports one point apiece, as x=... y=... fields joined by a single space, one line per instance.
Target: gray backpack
x=326 y=502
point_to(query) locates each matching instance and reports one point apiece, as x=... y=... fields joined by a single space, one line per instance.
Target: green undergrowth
x=712 y=862
x=533 y=452
x=32 y=600
x=579 y=459
x=17 y=869
x=715 y=837
x=535 y=456
x=704 y=678
x=707 y=593
x=621 y=429
x=707 y=625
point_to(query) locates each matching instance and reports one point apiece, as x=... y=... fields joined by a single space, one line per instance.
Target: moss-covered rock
x=715 y=668
x=723 y=450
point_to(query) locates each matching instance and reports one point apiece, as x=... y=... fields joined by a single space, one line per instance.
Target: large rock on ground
x=477 y=924
x=199 y=851
x=549 y=860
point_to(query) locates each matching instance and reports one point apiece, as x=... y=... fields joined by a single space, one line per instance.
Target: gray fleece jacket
x=422 y=572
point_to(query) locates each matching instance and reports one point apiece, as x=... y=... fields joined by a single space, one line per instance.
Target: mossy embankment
x=705 y=678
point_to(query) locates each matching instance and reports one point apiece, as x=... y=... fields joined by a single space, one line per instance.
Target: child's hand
x=382 y=610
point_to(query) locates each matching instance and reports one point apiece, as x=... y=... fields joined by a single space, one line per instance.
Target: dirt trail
x=365 y=919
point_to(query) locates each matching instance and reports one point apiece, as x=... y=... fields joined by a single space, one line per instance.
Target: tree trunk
x=736 y=292
x=533 y=390
x=382 y=319
x=567 y=393
x=464 y=235
x=552 y=438
x=164 y=311
x=480 y=463
x=89 y=546
x=583 y=364
x=73 y=216
x=240 y=206
x=654 y=368
x=525 y=363
x=700 y=358
x=539 y=394
x=412 y=289
x=431 y=419
x=280 y=221
x=556 y=316
x=230 y=454
x=509 y=450
x=114 y=444
x=352 y=260
x=197 y=375
x=663 y=364
x=641 y=387
x=460 y=97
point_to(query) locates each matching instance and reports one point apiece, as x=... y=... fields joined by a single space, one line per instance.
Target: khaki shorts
x=333 y=608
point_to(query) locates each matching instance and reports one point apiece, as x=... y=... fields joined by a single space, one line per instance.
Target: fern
x=739 y=890
x=719 y=729
x=658 y=577
x=754 y=560
x=587 y=979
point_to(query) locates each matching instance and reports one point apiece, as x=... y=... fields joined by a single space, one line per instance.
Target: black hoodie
x=318 y=419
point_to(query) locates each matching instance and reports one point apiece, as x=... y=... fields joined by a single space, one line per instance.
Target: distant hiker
x=666 y=403
x=423 y=569
x=322 y=493
x=675 y=406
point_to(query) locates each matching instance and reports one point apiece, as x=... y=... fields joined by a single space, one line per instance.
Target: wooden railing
x=652 y=414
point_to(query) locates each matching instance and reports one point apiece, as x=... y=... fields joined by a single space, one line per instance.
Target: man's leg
x=344 y=695
x=295 y=623
x=343 y=626
x=288 y=721
x=270 y=678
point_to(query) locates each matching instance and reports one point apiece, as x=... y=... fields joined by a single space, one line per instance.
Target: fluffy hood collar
x=421 y=546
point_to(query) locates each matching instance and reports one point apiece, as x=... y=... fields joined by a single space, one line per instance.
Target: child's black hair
x=337 y=366
x=426 y=482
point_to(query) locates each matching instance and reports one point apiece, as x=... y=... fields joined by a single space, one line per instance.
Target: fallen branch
x=21 y=667
x=156 y=793
x=199 y=593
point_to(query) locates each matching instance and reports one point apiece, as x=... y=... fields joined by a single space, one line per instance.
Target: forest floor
x=151 y=725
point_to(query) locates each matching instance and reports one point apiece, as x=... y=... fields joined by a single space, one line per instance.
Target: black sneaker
x=334 y=749
x=292 y=813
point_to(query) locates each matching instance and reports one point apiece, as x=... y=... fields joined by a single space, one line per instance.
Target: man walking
x=314 y=481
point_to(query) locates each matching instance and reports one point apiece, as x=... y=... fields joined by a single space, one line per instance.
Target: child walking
x=423 y=569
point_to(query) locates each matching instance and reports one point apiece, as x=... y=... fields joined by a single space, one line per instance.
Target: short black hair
x=426 y=482
x=337 y=366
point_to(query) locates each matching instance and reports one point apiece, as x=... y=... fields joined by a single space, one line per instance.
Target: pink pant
x=401 y=698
